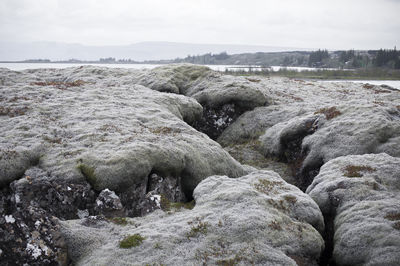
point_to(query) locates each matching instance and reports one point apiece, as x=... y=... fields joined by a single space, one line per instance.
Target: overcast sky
x=339 y=24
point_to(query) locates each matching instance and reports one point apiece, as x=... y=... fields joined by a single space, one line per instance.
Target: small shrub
x=200 y=228
x=329 y=113
x=131 y=241
x=275 y=225
x=165 y=204
x=157 y=245
x=355 y=170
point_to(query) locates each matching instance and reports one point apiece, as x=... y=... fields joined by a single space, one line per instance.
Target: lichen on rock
x=363 y=210
x=232 y=220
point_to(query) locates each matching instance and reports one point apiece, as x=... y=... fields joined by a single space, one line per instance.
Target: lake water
x=22 y=66
x=392 y=83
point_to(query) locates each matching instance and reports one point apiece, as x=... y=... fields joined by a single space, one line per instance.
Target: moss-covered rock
x=255 y=219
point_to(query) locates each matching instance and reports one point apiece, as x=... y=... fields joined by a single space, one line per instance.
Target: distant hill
x=10 y=51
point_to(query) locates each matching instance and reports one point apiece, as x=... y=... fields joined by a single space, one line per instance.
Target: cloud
x=308 y=23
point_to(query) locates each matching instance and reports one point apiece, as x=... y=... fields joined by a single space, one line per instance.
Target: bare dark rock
x=216 y=120
x=109 y=204
x=144 y=198
x=29 y=235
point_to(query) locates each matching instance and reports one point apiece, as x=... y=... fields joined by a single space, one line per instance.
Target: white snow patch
x=35 y=250
x=99 y=202
x=37 y=224
x=46 y=250
x=17 y=199
x=9 y=219
x=157 y=199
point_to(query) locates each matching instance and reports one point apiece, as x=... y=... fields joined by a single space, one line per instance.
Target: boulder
x=309 y=123
x=310 y=141
x=223 y=97
x=114 y=137
x=255 y=219
x=359 y=196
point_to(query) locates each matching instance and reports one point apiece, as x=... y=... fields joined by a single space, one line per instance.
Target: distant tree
x=300 y=60
x=316 y=58
x=107 y=60
x=287 y=61
x=221 y=56
x=346 y=56
x=387 y=58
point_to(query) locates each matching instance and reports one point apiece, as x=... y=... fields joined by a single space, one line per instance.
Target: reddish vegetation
x=368 y=86
x=381 y=91
x=329 y=113
x=11 y=112
x=59 y=84
x=355 y=170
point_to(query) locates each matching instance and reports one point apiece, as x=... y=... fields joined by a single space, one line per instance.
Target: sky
x=339 y=24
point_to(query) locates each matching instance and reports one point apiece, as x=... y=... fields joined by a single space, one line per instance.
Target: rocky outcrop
x=311 y=123
x=223 y=97
x=83 y=149
x=255 y=219
x=113 y=137
x=310 y=141
x=65 y=142
x=359 y=194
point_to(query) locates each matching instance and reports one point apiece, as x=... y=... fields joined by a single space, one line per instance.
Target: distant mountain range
x=11 y=51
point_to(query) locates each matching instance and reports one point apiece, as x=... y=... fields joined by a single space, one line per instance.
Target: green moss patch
x=186 y=205
x=131 y=241
x=119 y=220
x=88 y=172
